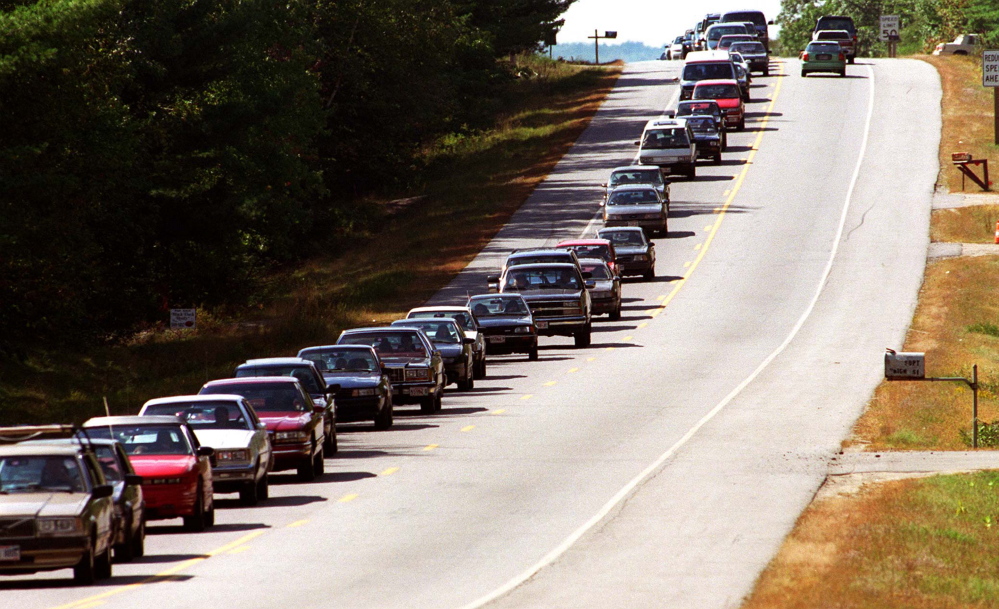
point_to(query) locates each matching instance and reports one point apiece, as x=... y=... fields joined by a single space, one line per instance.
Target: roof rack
x=24 y=433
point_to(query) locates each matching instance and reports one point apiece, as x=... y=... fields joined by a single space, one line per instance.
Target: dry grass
x=928 y=543
x=967 y=109
x=476 y=183
x=976 y=224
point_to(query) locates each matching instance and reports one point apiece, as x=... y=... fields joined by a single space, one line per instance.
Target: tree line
x=160 y=153
x=924 y=22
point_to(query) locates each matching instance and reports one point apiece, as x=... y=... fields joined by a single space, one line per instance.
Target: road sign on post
x=596 y=43
x=890 y=25
x=990 y=78
x=183 y=319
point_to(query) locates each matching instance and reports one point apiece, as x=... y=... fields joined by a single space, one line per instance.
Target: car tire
x=123 y=551
x=532 y=355
x=102 y=564
x=468 y=383
x=582 y=337
x=196 y=522
x=804 y=73
x=766 y=71
x=383 y=420
x=139 y=541
x=307 y=470
x=481 y=370
x=427 y=404
x=851 y=60
x=649 y=275
x=724 y=141
x=693 y=171
x=83 y=571
x=330 y=445
x=264 y=487
x=842 y=73
x=615 y=315
x=320 y=463
x=249 y=495
x=742 y=124
x=439 y=400
x=717 y=159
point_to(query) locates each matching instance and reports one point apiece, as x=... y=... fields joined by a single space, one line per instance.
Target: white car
x=228 y=424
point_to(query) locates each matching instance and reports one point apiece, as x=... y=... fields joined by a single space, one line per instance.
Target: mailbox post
x=911 y=366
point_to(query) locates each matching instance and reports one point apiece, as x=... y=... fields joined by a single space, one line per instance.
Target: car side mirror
x=133 y=479
x=601 y=204
x=102 y=490
x=261 y=426
x=591 y=283
x=206 y=451
x=603 y=185
x=468 y=341
x=492 y=279
x=334 y=388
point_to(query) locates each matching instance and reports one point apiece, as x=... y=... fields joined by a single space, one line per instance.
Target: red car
x=728 y=96
x=593 y=248
x=294 y=422
x=176 y=470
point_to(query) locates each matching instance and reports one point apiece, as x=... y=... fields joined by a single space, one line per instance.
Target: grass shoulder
x=414 y=243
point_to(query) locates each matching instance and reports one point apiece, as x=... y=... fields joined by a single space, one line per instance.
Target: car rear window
x=756 y=17
x=826 y=47
x=708 y=71
x=716 y=32
x=830 y=35
x=748 y=48
x=716 y=91
x=596 y=271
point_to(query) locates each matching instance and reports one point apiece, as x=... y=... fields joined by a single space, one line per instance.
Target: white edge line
x=555 y=553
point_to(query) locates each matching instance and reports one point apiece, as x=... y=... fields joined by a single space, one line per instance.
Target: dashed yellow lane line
x=498 y=411
x=642 y=325
x=468 y=428
x=573 y=370
x=661 y=297
x=628 y=339
x=348 y=498
x=431 y=446
x=297 y=523
x=389 y=471
x=98 y=599
x=550 y=383
x=709 y=227
x=527 y=396
x=609 y=348
x=591 y=359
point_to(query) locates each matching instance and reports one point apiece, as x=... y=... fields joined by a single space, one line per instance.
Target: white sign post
x=183 y=319
x=990 y=78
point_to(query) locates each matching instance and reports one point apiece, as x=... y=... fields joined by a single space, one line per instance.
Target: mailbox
x=904 y=366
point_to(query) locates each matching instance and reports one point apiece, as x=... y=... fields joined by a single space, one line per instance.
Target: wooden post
x=995 y=115
x=596 y=47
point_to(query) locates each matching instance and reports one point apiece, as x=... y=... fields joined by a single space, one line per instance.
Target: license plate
x=10 y=553
x=823 y=56
x=541 y=325
x=419 y=391
x=497 y=339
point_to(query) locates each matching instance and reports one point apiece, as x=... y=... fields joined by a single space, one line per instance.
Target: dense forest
x=161 y=153
x=924 y=22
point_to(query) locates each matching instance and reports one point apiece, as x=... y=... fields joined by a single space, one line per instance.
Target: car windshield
x=716 y=91
x=33 y=474
x=552 y=278
x=635 y=176
x=439 y=331
x=539 y=258
x=463 y=318
x=671 y=137
x=695 y=108
x=707 y=71
x=593 y=251
x=146 y=439
x=208 y=415
x=493 y=306
x=596 y=271
x=632 y=197
x=342 y=360
x=629 y=238
x=704 y=124
x=264 y=396
x=835 y=23
x=304 y=375
x=748 y=48
x=825 y=47
x=404 y=343
x=715 y=33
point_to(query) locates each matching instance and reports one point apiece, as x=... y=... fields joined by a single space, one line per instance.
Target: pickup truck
x=965 y=44
x=557 y=296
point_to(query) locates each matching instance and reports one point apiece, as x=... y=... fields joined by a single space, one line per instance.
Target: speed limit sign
x=889 y=27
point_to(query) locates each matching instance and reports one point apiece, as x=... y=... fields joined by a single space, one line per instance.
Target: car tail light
x=804 y=56
x=842 y=57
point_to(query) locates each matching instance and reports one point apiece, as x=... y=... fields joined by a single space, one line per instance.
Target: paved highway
x=661 y=467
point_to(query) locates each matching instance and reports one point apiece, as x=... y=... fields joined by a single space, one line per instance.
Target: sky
x=653 y=22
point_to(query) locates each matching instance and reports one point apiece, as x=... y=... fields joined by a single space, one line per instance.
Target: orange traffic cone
x=997 y=231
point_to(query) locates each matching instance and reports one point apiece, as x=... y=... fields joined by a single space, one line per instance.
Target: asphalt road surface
x=662 y=466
